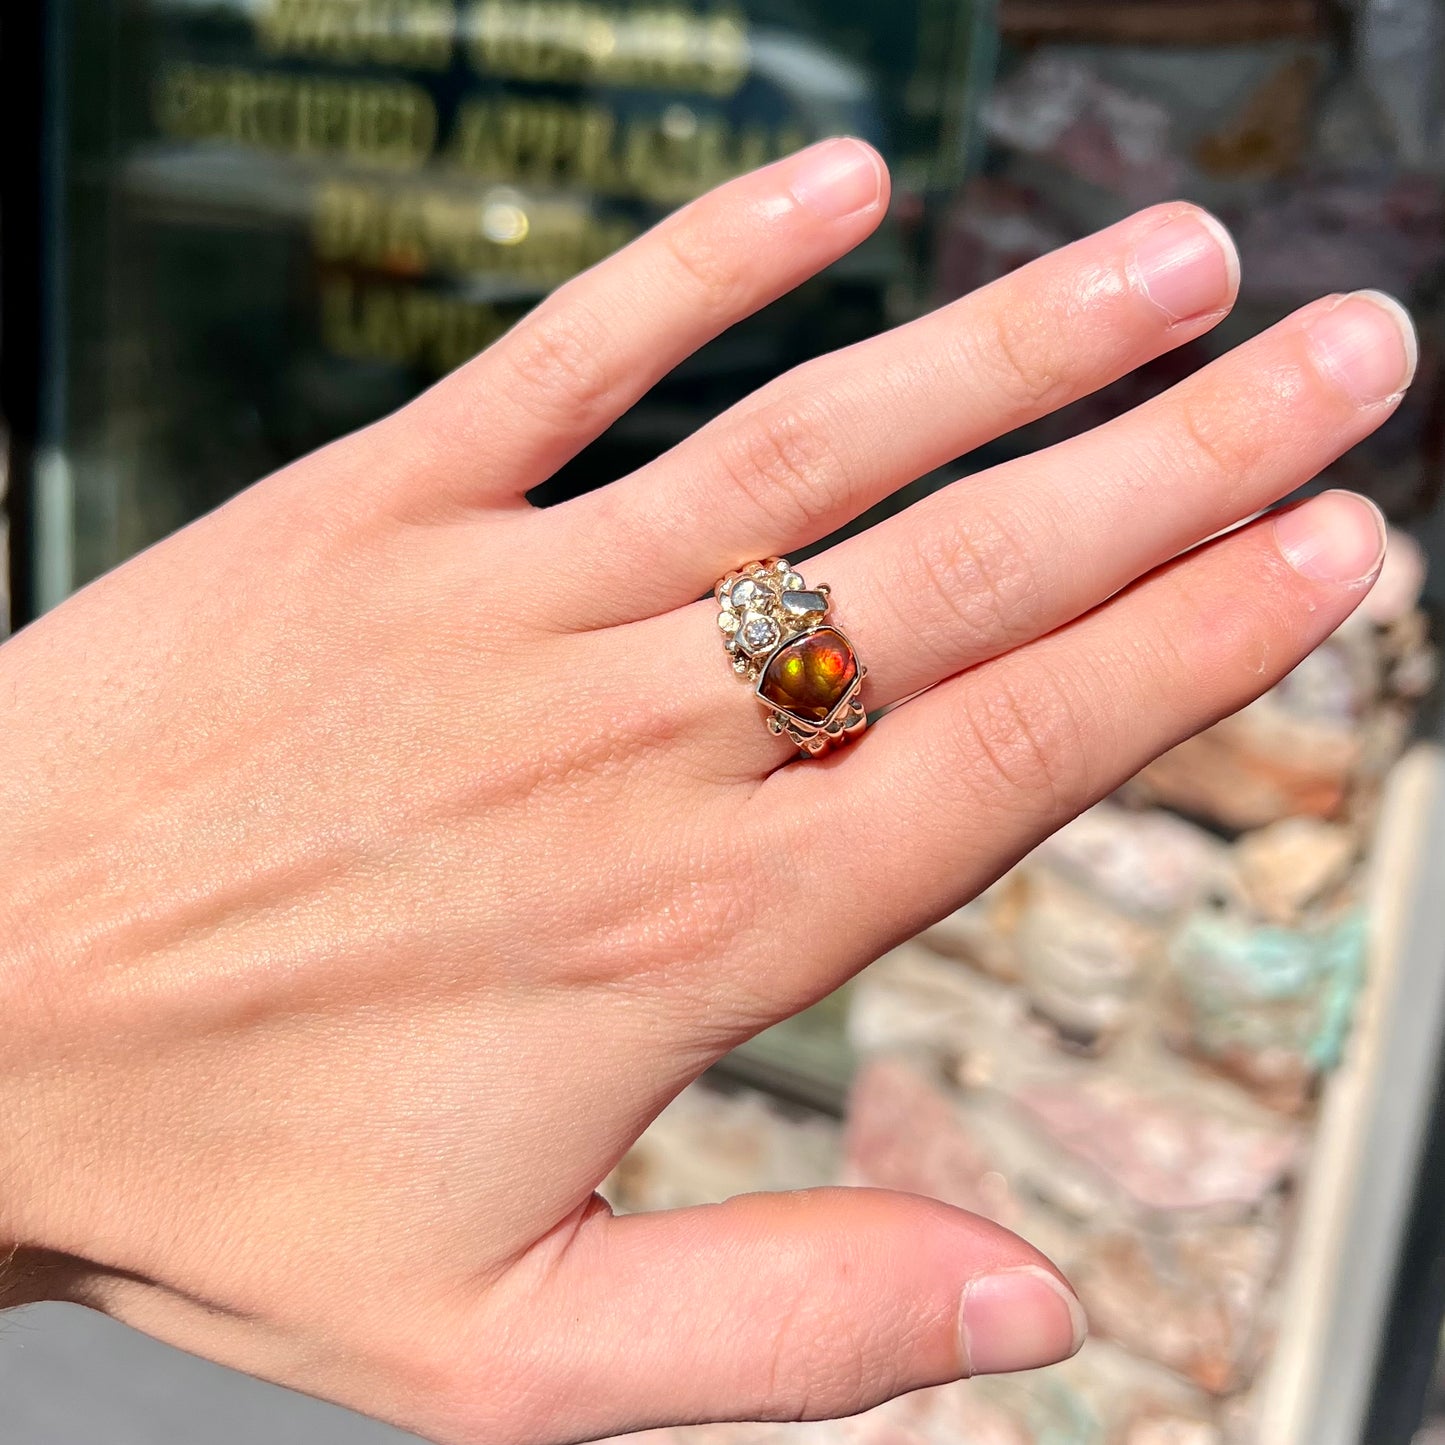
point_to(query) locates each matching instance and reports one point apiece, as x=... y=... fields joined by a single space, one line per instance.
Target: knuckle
x=1166 y=658
x=715 y=915
x=815 y=1366
x=781 y=462
x=811 y=1372
x=695 y=910
x=978 y=580
x=707 y=265
x=1027 y=362
x=556 y=355
x=1031 y=743
x=1213 y=650
x=1208 y=446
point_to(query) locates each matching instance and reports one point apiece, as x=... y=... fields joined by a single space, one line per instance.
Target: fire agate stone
x=809 y=676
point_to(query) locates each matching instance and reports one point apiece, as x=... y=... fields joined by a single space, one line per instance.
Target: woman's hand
x=380 y=854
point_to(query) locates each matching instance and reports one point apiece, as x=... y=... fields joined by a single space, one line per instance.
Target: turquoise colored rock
x=1252 y=989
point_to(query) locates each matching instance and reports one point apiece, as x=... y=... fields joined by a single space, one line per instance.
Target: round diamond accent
x=792 y=582
x=761 y=634
x=728 y=622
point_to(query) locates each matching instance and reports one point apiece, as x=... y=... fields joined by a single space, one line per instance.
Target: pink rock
x=904 y=1132
x=1148 y=864
x=1163 y=1153
x=1255 y=768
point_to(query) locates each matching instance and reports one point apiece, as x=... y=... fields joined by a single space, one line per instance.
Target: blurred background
x=1192 y=1047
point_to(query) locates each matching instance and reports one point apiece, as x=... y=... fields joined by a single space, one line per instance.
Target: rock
x=1291 y=865
x=1164 y=1150
x=1103 y=1393
x=1187 y=1299
x=1150 y=865
x=1254 y=768
x=904 y=1132
x=1296 y=751
x=1057 y=106
x=1270 y=1006
x=955 y=1021
x=961 y=1413
x=1091 y=1146
x=1413 y=664
x=1126 y=1393
x=981 y=933
x=708 y=1145
x=1081 y=961
x=1339 y=681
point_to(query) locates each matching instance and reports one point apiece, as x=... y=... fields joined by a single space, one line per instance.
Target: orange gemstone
x=809 y=676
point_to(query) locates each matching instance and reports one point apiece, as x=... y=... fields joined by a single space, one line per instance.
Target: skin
x=381 y=854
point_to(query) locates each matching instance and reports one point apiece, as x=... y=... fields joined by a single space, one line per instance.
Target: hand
x=381 y=853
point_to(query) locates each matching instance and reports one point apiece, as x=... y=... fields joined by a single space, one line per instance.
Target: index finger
x=509 y=418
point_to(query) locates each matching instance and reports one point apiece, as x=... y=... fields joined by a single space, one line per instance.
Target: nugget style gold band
x=804 y=670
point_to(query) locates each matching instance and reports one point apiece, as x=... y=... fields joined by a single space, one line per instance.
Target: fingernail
x=1337 y=537
x=1366 y=343
x=837 y=178
x=1019 y=1319
x=1188 y=268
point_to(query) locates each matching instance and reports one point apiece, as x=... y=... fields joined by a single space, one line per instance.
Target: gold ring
x=804 y=670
